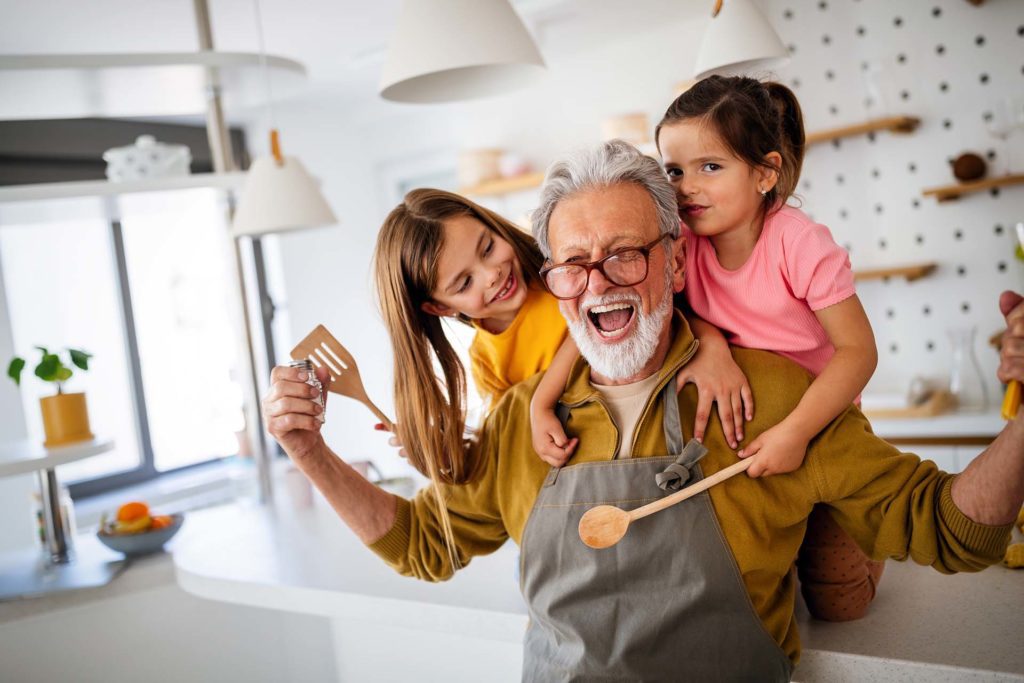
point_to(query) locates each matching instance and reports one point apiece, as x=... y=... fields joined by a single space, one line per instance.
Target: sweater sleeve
x=895 y=504
x=415 y=545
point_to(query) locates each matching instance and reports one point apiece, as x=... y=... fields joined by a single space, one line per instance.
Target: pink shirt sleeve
x=817 y=268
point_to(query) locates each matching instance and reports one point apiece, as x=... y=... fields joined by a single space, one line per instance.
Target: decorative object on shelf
x=279 y=194
x=947 y=193
x=893 y=124
x=512 y=165
x=493 y=188
x=968 y=166
x=738 y=41
x=146 y=159
x=451 y=50
x=65 y=416
x=633 y=128
x=966 y=381
x=476 y=166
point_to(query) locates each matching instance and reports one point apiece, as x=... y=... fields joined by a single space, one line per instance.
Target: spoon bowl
x=603 y=526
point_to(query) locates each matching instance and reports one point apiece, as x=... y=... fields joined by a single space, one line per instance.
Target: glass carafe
x=966 y=382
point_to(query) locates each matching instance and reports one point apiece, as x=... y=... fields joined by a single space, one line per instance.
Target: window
x=145 y=284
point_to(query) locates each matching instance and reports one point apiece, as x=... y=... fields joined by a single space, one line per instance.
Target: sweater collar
x=683 y=346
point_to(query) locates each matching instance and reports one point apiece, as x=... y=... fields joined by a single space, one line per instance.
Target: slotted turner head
x=324 y=350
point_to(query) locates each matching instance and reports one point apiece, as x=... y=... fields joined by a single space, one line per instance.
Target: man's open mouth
x=511 y=284
x=612 y=320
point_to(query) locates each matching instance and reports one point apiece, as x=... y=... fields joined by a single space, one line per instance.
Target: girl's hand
x=290 y=413
x=393 y=440
x=549 y=439
x=718 y=379
x=779 y=450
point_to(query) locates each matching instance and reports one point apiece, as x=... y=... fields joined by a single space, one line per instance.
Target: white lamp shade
x=449 y=50
x=738 y=42
x=278 y=198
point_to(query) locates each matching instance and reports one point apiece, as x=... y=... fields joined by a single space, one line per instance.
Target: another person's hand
x=549 y=438
x=290 y=412
x=393 y=440
x=1011 y=355
x=779 y=450
x=718 y=379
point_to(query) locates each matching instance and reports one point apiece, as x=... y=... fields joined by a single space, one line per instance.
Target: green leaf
x=15 y=368
x=80 y=358
x=48 y=367
x=43 y=349
x=63 y=374
x=1020 y=252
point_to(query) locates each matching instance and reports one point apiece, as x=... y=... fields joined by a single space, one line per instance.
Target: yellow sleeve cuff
x=393 y=547
x=987 y=542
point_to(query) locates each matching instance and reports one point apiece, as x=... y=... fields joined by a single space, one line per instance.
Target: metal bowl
x=144 y=542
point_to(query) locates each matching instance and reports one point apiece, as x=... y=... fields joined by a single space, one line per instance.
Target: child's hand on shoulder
x=779 y=450
x=549 y=439
x=718 y=380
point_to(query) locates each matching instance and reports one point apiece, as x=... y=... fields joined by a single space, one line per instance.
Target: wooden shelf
x=505 y=185
x=105 y=188
x=948 y=193
x=893 y=124
x=911 y=272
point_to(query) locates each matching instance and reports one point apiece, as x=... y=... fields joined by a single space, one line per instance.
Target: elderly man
x=702 y=590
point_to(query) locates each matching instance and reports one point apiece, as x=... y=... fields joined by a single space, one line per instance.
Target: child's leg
x=837 y=579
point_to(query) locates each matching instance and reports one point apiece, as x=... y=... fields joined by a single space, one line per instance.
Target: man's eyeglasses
x=624 y=267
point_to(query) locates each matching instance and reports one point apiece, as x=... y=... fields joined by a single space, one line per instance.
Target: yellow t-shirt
x=526 y=347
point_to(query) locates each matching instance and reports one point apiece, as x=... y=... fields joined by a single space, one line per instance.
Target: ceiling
x=341 y=42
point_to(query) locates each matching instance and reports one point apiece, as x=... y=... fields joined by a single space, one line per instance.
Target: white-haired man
x=703 y=590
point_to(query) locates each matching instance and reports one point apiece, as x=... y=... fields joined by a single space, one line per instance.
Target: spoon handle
x=689 y=491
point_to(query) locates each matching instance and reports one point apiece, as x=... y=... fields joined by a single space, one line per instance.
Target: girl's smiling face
x=717 y=192
x=478 y=275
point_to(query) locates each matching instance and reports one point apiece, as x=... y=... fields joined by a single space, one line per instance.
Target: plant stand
x=59 y=566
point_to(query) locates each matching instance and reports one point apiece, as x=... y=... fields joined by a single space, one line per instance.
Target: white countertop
x=955 y=424
x=306 y=560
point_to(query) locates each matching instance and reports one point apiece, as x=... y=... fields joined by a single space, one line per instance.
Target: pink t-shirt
x=796 y=268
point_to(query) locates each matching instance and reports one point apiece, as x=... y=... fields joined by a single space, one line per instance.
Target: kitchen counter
x=922 y=626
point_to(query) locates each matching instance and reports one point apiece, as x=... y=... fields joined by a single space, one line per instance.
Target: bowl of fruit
x=135 y=531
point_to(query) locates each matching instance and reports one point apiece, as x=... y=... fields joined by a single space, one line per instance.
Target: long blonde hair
x=431 y=408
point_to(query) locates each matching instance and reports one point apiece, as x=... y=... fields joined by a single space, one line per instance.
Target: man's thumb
x=1008 y=301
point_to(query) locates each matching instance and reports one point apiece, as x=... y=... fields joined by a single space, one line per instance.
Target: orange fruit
x=160 y=521
x=132 y=511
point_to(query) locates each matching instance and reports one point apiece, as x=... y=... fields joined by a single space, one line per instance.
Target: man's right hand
x=1011 y=355
x=290 y=412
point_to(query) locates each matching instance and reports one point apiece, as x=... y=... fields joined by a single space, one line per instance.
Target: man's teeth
x=607 y=308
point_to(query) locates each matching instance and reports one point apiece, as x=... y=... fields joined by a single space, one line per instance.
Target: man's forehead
x=603 y=218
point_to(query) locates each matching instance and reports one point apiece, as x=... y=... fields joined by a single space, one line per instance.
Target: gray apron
x=665 y=603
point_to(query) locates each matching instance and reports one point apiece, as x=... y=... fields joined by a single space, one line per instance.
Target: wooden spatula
x=324 y=350
x=605 y=525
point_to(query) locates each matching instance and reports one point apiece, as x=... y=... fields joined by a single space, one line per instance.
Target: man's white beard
x=629 y=356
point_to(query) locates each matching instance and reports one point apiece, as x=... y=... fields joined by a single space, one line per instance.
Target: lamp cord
x=274 y=143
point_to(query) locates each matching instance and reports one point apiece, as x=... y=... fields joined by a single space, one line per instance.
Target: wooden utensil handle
x=1011 y=401
x=388 y=424
x=689 y=491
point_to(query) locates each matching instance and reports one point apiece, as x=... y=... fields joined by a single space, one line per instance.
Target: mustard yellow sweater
x=892 y=503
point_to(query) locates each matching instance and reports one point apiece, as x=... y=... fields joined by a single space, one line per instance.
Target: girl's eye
x=711 y=166
x=465 y=284
x=674 y=172
x=490 y=245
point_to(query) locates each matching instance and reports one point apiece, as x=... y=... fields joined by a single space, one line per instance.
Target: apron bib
x=665 y=603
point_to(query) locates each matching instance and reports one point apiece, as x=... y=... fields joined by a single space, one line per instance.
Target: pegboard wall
x=950 y=63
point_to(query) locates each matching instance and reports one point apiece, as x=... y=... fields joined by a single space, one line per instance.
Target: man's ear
x=440 y=310
x=679 y=263
x=767 y=178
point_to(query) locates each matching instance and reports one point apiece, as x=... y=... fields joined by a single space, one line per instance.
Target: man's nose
x=597 y=283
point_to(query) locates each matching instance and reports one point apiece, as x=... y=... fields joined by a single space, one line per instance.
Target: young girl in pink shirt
x=771 y=278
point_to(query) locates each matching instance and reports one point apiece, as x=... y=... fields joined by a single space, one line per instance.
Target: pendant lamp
x=278 y=195
x=450 y=50
x=739 y=41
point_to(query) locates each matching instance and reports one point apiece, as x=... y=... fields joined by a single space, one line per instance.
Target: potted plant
x=65 y=416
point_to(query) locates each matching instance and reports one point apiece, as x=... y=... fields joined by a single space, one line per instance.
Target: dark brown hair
x=752 y=119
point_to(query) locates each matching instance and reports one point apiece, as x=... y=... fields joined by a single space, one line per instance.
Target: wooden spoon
x=605 y=525
x=323 y=349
